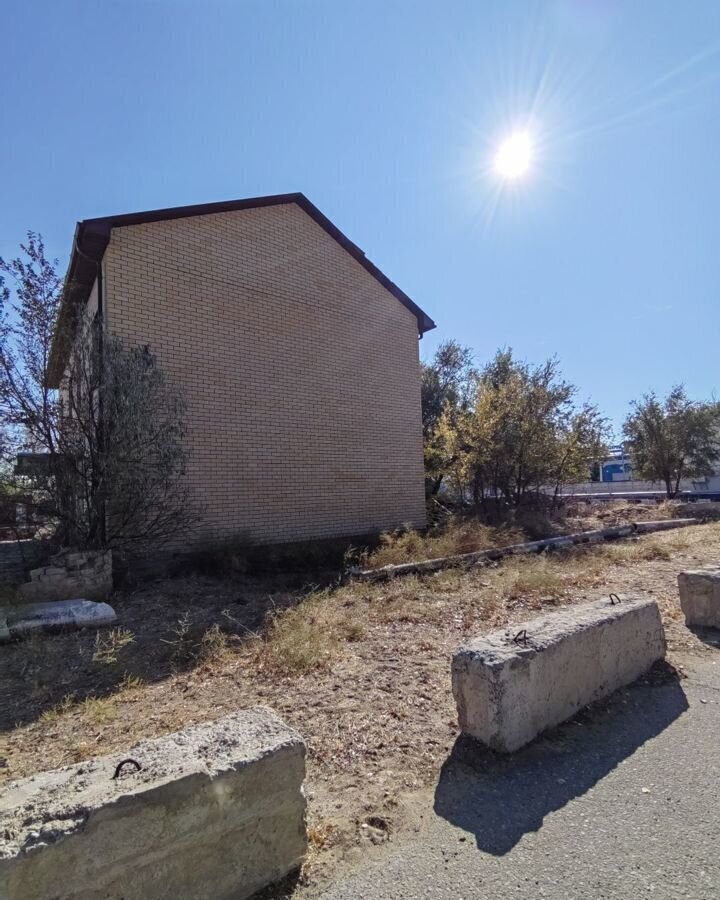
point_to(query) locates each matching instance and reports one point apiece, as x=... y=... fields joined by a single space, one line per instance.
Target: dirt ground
x=362 y=671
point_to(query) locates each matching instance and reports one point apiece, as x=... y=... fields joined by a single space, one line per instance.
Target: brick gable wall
x=300 y=371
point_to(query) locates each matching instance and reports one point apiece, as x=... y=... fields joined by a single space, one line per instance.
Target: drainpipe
x=101 y=418
x=101 y=351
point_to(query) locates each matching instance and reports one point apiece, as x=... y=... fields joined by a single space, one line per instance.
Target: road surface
x=622 y=803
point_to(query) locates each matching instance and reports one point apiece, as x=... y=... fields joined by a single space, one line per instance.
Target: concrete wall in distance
x=216 y=812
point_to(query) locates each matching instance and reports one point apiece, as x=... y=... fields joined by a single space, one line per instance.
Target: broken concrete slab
x=215 y=812
x=25 y=618
x=700 y=596
x=512 y=685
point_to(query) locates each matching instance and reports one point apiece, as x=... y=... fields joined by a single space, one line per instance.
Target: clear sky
x=388 y=116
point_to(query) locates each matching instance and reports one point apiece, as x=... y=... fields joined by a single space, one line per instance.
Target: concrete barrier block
x=700 y=597
x=511 y=685
x=216 y=812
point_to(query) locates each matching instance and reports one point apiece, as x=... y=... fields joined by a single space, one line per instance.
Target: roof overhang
x=93 y=235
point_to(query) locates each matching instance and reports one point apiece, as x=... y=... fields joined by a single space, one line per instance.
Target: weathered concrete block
x=216 y=812
x=700 y=596
x=508 y=692
x=24 y=618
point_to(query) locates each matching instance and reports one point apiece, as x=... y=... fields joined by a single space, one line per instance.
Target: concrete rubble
x=86 y=573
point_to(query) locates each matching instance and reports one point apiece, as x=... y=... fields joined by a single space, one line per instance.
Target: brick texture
x=299 y=369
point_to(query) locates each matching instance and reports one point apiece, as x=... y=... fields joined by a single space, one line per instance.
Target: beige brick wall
x=300 y=371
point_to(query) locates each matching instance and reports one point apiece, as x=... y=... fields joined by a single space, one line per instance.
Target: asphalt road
x=621 y=803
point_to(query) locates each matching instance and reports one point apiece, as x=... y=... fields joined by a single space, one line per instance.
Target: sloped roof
x=93 y=235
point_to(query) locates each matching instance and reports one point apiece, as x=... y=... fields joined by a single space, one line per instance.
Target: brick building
x=297 y=357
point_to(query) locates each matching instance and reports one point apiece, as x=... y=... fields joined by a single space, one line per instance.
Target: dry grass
x=99 y=710
x=454 y=537
x=361 y=670
x=109 y=645
x=309 y=635
x=52 y=715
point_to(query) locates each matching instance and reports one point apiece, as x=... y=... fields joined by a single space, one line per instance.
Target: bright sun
x=513 y=156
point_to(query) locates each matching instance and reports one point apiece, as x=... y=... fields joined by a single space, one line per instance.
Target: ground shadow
x=159 y=632
x=709 y=636
x=280 y=890
x=499 y=799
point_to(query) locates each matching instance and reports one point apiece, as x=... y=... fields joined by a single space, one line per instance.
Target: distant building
x=617 y=466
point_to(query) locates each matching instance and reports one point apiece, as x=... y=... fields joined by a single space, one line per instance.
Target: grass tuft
x=109 y=646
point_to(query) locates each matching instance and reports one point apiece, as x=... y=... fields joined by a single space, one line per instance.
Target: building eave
x=93 y=235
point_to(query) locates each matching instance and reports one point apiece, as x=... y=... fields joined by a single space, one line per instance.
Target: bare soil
x=362 y=671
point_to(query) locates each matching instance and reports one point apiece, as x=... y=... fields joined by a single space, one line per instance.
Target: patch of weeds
x=301 y=638
x=51 y=716
x=456 y=536
x=100 y=710
x=407 y=600
x=183 y=645
x=130 y=683
x=322 y=835
x=108 y=647
x=352 y=630
x=533 y=576
x=214 y=646
x=639 y=551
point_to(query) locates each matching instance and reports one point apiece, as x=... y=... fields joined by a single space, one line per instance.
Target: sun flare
x=513 y=156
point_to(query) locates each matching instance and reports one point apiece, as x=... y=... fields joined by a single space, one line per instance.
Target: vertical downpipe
x=101 y=421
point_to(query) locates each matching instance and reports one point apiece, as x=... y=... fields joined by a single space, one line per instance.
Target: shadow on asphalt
x=499 y=799
x=709 y=636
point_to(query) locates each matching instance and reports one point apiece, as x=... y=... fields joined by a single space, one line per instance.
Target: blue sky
x=387 y=115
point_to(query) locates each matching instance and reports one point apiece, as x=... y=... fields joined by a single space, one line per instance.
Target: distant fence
x=707 y=486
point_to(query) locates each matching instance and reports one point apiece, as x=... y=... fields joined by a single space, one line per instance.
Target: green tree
x=448 y=385
x=526 y=436
x=672 y=439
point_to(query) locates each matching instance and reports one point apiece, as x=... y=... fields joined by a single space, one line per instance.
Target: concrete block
x=24 y=618
x=507 y=692
x=700 y=597
x=216 y=812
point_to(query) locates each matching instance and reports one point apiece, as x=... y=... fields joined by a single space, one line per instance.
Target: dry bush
x=454 y=537
x=296 y=641
x=215 y=646
x=309 y=635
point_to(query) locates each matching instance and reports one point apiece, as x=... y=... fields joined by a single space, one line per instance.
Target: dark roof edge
x=92 y=237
